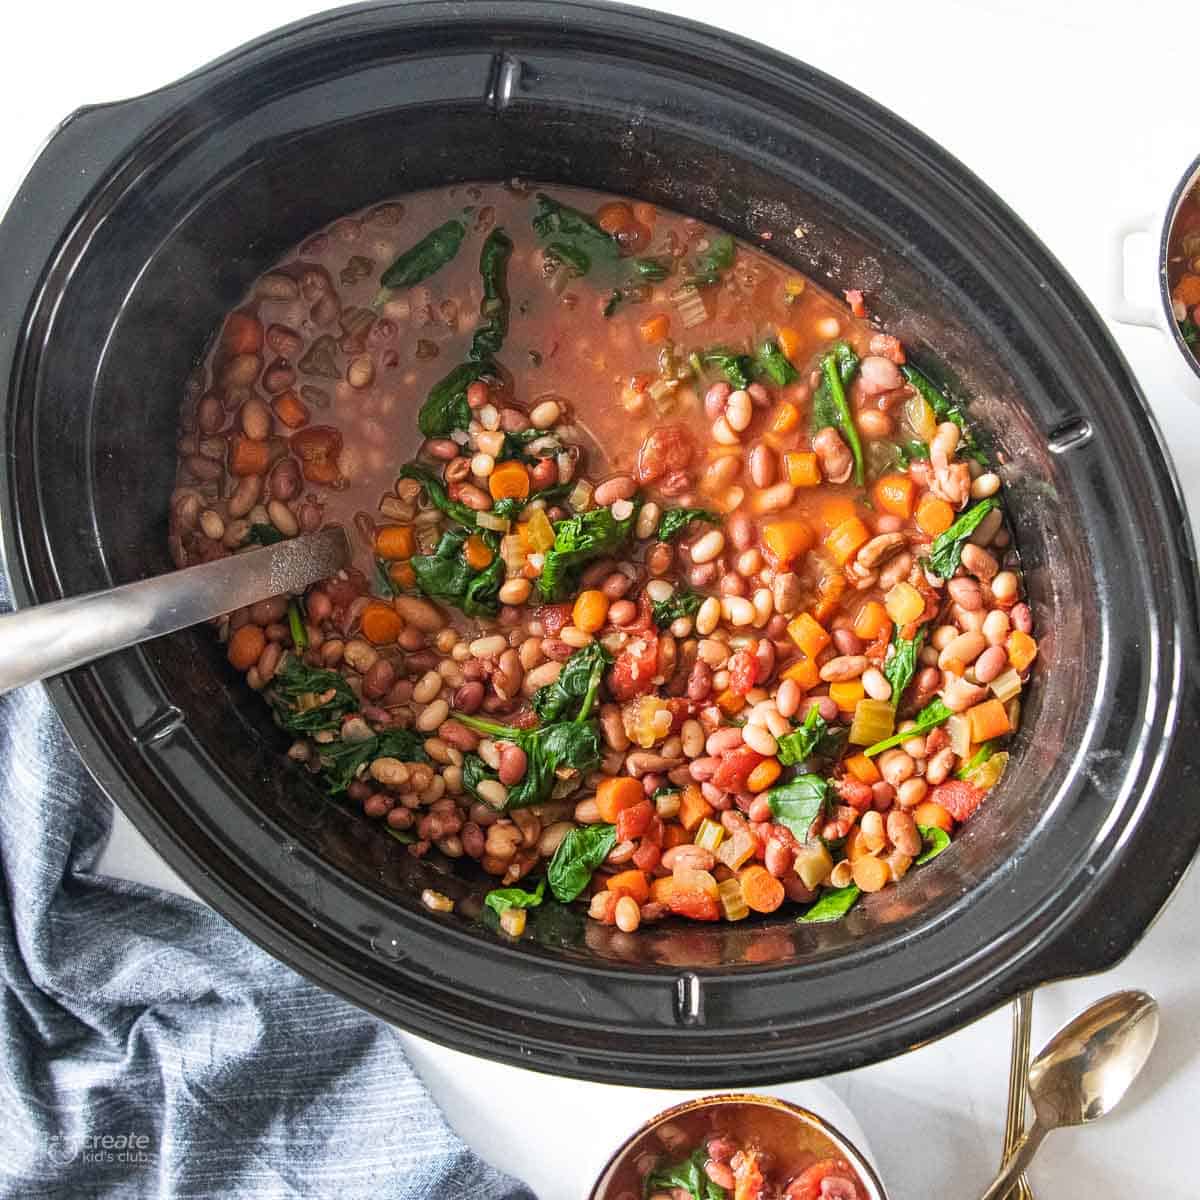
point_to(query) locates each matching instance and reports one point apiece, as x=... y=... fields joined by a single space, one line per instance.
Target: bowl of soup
x=681 y=370
x=758 y=1147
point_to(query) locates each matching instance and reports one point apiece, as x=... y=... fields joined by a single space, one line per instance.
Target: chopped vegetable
x=447 y=575
x=737 y=368
x=429 y=255
x=936 y=840
x=682 y=602
x=901 y=663
x=832 y=905
x=577 y=857
x=945 y=409
x=709 y=265
x=579 y=540
x=572 y=236
x=830 y=408
x=296 y=627
x=873 y=721
x=676 y=520
x=576 y=687
x=688 y=1175
x=798 y=803
x=932 y=715
x=447 y=409
x=264 y=535
x=308 y=699
x=494 y=308
x=946 y=553
x=772 y=362
x=802 y=743
x=499 y=900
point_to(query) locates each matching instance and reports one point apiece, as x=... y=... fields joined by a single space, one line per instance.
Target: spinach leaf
x=447 y=409
x=501 y=899
x=341 y=760
x=309 y=699
x=404 y=836
x=833 y=905
x=708 y=266
x=430 y=254
x=946 y=552
x=642 y=270
x=682 y=602
x=515 y=443
x=934 y=713
x=737 y=368
x=446 y=575
x=981 y=755
x=666 y=790
x=264 y=535
x=936 y=840
x=383 y=581
x=830 y=407
x=576 y=686
x=435 y=489
x=773 y=363
x=945 y=409
x=798 y=803
x=676 y=520
x=572 y=236
x=688 y=1174
x=570 y=746
x=579 y=540
x=1189 y=331
x=802 y=743
x=577 y=856
x=296 y=627
x=901 y=664
x=494 y=308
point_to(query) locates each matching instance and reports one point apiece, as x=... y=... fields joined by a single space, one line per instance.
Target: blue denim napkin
x=148 y=1049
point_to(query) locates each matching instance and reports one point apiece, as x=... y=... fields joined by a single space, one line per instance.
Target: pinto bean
x=740 y=531
x=979 y=562
x=699 y=686
x=618 y=487
x=694 y=858
x=843 y=668
x=513 y=764
x=762 y=465
x=990 y=663
x=846 y=641
x=966 y=593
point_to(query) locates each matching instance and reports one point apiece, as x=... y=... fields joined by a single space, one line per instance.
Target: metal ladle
x=1083 y=1071
x=50 y=638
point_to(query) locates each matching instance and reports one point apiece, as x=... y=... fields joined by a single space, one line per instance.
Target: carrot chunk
x=248 y=457
x=509 y=481
x=844 y=540
x=245 y=646
x=786 y=541
x=808 y=635
x=894 y=494
x=934 y=516
x=394 y=542
x=630 y=883
x=802 y=468
x=693 y=808
x=617 y=793
x=761 y=891
x=381 y=623
x=655 y=329
x=1022 y=650
x=290 y=409
x=988 y=720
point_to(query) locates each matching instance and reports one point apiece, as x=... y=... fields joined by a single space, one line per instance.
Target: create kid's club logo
x=100 y=1149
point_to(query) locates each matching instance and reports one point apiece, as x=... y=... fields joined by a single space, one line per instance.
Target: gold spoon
x=1082 y=1073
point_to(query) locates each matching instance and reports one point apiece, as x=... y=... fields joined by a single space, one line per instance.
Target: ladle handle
x=1022 y=1155
x=50 y=638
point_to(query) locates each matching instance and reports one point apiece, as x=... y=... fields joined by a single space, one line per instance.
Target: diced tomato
x=646 y=857
x=632 y=675
x=697 y=906
x=734 y=769
x=807 y=1185
x=854 y=298
x=743 y=667
x=632 y=822
x=554 y=617
x=958 y=797
x=654 y=831
x=748 y=1181
x=665 y=450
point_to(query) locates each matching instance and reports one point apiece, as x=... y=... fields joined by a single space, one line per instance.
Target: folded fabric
x=147 y=1049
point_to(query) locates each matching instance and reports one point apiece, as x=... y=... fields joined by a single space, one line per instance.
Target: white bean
x=482 y=465
x=492 y=792
x=709 y=616
x=723 y=433
x=708 y=546
x=432 y=716
x=545 y=414
x=427 y=687
x=738 y=611
x=988 y=484
x=739 y=410
x=764 y=606
x=875 y=684
x=660 y=589
x=515 y=591
x=760 y=740
x=489 y=647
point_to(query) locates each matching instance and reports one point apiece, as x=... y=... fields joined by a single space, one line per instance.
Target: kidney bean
x=847 y=641
x=310 y=517
x=722 y=740
x=206 y=470
x=843 y=668
x=762 y=465
x=470 y=495
x=824 y=705
x=759 y=810
x=473 y=840
x=938 y=768
x=1022 y=618
x=703 y=768
x=285 y=341
x=874 y=424
x=278 y=377
x=966 y=593
x=509 y=675
x=699 y=685
x=836 y=460
x=378 y=680
x=543 y=474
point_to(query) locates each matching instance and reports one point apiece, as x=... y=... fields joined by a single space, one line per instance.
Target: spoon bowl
x=1087 y=1067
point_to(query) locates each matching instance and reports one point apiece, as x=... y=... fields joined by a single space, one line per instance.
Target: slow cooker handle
x=1120 y=307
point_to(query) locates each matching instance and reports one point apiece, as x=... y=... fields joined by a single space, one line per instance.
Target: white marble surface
x=1080 y=115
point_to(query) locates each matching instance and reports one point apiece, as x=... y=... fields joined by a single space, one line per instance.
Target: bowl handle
x=1120 y=308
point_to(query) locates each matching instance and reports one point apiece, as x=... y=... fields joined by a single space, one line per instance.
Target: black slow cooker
x=142 y=222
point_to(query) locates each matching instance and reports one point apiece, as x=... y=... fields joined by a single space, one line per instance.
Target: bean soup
x=680 y=588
